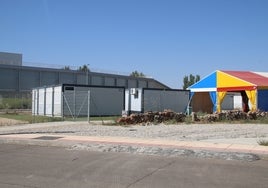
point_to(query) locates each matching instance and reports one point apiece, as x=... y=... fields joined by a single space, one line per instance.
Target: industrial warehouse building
x=21 y=79
x=56 y=91
x=61 y=92
x=208 y=94
x=17 y=80
x=10 y=59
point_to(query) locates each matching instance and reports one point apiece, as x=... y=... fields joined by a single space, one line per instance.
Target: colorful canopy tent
x=207 y=95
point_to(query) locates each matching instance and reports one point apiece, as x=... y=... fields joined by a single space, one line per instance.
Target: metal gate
x=76 y=104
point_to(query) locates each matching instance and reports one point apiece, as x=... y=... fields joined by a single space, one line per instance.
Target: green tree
x=197 y=78
x=66 y=68
x=190 y=80
x=84 y=68
x=137 y=74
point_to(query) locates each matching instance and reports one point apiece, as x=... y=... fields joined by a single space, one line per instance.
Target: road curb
x=67 y=141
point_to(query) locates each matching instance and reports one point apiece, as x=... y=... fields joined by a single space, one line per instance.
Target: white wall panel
x=136 y=99
x=57 y=101
x=49 y=101
x=35 y=102
x=41 y=101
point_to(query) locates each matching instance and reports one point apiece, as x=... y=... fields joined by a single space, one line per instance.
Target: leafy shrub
x=263 y=142
x=15 y=103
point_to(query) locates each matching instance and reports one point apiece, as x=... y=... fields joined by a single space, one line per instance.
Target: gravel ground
x=188 y=132
x=168 y=152
x=180 y=132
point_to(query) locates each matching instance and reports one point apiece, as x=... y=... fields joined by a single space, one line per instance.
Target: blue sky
x=165 y=39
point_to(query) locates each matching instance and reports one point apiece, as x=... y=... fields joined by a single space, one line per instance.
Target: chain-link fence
x=76 y=104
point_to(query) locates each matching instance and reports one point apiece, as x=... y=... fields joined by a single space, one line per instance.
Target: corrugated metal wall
x=20 y=78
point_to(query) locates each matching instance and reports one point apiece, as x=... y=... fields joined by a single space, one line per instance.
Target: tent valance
x=236 y=88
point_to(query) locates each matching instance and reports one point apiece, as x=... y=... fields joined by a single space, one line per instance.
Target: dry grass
x=7 y=122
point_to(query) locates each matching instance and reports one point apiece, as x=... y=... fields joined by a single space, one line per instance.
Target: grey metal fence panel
x=106 y=101
x=159 y=100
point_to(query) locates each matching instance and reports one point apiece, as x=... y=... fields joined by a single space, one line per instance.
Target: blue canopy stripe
x=213 y=97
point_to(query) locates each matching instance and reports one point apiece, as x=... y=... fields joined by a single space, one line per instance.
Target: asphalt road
x=39 y=166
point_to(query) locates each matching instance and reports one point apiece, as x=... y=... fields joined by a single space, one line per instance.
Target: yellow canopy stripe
x=252 y=94
x=220 y=97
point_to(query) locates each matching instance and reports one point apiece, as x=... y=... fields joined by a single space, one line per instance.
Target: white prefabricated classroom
x=146 y=99
x=78 y=100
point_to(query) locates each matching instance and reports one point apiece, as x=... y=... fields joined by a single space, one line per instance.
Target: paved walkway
x=66 y=140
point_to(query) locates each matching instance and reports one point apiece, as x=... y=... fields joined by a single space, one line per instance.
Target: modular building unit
x=47 y=101
x=77 y=100
x=145 y=99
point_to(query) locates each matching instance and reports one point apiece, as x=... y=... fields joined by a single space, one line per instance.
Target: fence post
x=34 y=101
x=62 y=105
x=74 y=106
x=88 y=106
